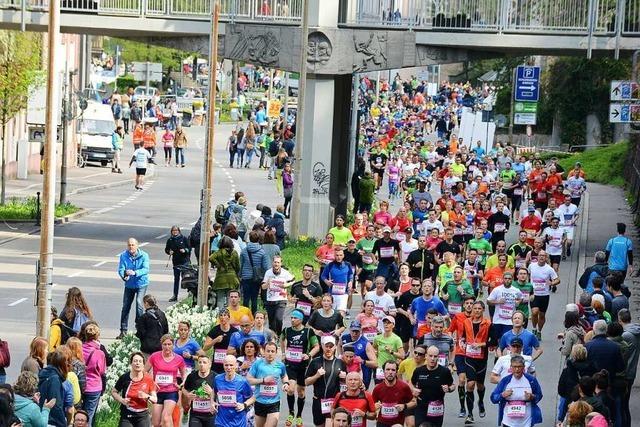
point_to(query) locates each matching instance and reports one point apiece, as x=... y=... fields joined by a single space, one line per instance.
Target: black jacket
x=50 y=387
x=570 y=376
x=428 y=268
x=150 y=327
x=174 y=244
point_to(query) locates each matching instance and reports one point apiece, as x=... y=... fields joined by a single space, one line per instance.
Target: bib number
x=386 y=252
x=516 y=409
x=201 y=405
x=304 y=307
x=473 y=351
x=227 y=398
x=339 y=288
x=388 y=410
x=370 y=335
x=218 y=356
x=455 y=308
x=379 y=374
x=294 y=354
x=435 y=408
x=442 y=359
x=505 y=311
x=326 y=405
x=164 y=379
x=269 y=390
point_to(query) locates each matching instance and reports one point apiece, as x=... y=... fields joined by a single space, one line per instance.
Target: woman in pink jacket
x=96 y=365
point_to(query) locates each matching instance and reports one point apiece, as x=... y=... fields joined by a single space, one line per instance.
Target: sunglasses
x=415 y=285
x=419 y=353
x=245 y=326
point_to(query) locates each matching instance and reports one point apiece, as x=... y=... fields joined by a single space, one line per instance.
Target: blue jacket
x=496 y=397
x=30 y=413
x=138 y=263
x=50 y=387
x=605 y=354
x=277 y=223
x=258 y=257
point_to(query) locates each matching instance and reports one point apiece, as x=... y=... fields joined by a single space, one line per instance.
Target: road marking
x=143 y=244
x=16 y=302
x=161 y=236
x=104 y=210
x=95 y=174
x=231 y=181
x=101 y=263
x=193 y=223
x=75 y=274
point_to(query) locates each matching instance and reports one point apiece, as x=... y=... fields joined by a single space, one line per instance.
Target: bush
x=26 y=209
x=602 y=165
x=298 y=253
x=124 y=82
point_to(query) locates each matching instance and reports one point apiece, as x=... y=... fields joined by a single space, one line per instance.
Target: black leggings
x=197 y=420
x=167 y=152
x=133 y=419
x=287 y=203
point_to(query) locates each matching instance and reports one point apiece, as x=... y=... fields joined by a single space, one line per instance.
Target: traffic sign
x=37 y=133
x=524 y=118
x=624 y=90
x=140 y=71
x=527 y=83
x=526 y=107
x=624 y=113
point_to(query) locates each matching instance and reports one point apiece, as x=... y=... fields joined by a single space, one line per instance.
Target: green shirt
x=380 y=341
x=366 y=245
x=526 y=289
x=481 y=245
x=452 y=289
x=341 y=237
x=445 y=274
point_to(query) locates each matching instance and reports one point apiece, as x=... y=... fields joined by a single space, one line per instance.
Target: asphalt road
x=86 y=256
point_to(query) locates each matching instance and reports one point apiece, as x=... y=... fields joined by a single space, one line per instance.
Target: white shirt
x=503 y=365
x=142 y=157
x=503 y=312
x=566 y=214
x=426 y=226
x=406 y=248
x=382 y=305
x=554 y=243
x=540 y=276
x=518 y=387
x=275 y=290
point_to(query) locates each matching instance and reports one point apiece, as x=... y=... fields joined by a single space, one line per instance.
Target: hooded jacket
x=239 y=217
x=150 y=327
x=631 y=335
x=96 y=363
x=174 y=245
x=30 y=413
x=258 y=258
x=573 y=335
x=50 y=387
x=138 y=263
x=277 y=224
x=227 y=264
x=590 y=273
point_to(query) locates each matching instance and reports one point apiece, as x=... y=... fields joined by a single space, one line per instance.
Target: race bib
x=201 y=405
x=388 y=410
x=442 y=359
x=269 y=390
x=218 y=355
x=304 y=307
x=541 y=195
x=294 y=354
x=474 y=351
x=276 y=290
x=378 y=311
x=531 y=234
x=499 y=227
x=540 y=287
x=386 y=252
x=435 y=408
x=454 y=308
x=520 y=263
x=339 y=289
x=367 y=259
x=163 y=378
x=516 y=409
x=401 y=237
x=505 y=311
x=343 y=387
x=326 y=405
x=379 y=373
x=370 y=335
x=357 y=421
x=227 y=398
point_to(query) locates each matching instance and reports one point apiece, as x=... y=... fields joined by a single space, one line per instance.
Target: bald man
x=133 y=269
x=246 y=331
x=233 y=395
x=358 y=402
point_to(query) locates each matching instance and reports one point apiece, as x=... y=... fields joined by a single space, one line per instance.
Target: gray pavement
x=86 y=253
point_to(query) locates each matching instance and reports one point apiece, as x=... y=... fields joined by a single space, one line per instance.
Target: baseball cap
x=386 y=229
x=516 y=342
x=507 y=273
x=389 y=319
x=355 y=326
x=328 y=339
x=351 y=241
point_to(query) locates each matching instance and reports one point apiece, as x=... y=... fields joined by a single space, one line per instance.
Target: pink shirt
x=96 y=363
x=167 y=139
x=381 y=217
x=165 y=373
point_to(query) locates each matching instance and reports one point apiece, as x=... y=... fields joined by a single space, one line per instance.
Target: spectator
x=573 y=333
x=604 y=353
x=631 y=334
x=37 y=358
x=618 y=300
x=96 y=363
x=227 y=264
x=50 y=387
x=577 y=367
x=599 y=269
x=151 y=326
x=587 y=389
x=577 y=413
x=76 y=310
x=26 y=401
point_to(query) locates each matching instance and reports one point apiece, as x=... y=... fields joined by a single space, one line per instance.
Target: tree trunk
x=594 y=131
x=556 y=130
x=3 y=170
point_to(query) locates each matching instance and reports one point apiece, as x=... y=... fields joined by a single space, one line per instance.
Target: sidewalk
x=608 y=206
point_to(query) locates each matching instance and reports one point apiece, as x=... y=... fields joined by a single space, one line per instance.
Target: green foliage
x=25 y=209
x=170 y=58
x=124 y=82
x=298 y=253
x=602 y=165
x=575 y=87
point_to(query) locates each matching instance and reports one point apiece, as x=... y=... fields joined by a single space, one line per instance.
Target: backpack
x=5 y=356
x=65 y=333
x=220 y=214
x=78 y=320
x=257 y=272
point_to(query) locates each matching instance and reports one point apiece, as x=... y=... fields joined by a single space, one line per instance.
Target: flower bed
x=202 y=320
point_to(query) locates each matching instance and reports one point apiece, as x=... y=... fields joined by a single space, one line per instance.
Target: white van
x=95 y=128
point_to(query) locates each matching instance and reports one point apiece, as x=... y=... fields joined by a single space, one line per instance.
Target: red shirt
x=363 y=401
x=531 y=224
x=402 y=223
x=539 y=190
x=129 y=389
x=398 y=393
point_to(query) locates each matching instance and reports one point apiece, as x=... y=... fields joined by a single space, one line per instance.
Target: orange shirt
x=358 y=232
x=137 y=135
x=493 y=277
x=457 y=327
x=149 y=138
x=480 y=338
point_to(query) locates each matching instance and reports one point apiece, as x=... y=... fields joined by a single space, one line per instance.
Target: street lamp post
x=205 y=205
x=45 y=270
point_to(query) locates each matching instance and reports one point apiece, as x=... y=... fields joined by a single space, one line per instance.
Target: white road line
x=103 y=210
x=231 y=181
x=16 y=302
x=161 y=236
x=143 y=244
x=100 y=264
x=76 y=274
x=193 y=223
x=95 y=174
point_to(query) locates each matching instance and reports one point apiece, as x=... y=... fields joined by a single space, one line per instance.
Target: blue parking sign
x=527 y=83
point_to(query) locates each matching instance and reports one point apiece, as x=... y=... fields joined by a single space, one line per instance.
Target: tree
x=19 y=69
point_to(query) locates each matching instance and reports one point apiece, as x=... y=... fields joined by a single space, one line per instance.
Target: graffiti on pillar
x=319 y=48
x=261 y=47
x=320 y=179
x=370 y=51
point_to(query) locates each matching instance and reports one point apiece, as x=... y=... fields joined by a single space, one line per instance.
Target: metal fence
x=521 y=16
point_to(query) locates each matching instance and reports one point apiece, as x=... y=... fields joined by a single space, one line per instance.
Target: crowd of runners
x=441 y=277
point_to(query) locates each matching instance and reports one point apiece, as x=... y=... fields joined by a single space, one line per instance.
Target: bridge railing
x=284 y=11
x=515 y=16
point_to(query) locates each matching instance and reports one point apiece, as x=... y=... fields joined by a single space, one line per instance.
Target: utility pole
x=45 y=270
x=286 y=98
x=513 y=97
x=67 y=108
x=294 y=225
x=205 y=205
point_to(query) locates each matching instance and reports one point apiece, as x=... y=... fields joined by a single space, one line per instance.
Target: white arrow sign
x=532 y=87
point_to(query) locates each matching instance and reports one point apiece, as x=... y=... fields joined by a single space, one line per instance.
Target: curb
x=62 y=220
x=107 y=185
x=584 y=231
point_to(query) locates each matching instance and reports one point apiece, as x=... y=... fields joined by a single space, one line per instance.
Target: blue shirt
x=237 y=389
x=238 y=338
x=618 y=248
x=338 y=273
x=420 y=306
x=260 y=369
x=518 y=168
x=191 y=347
x=478 y=150
x=529 y=341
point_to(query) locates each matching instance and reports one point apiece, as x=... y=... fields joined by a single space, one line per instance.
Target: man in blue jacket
x=133 y=269
x=517 y=396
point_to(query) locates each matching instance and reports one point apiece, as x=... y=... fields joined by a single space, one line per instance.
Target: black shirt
x=328 y=385
x=430 y=384
x=224 y=344
x=300 y=339
x=404 y=302
x=194 y=381
x=428 y=268
x=326 y=324
x=443 y=247
x=354 y=258
x=380 y=244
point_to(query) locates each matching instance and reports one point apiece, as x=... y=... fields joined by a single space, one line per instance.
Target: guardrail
x=540 y=16
x=283 y=11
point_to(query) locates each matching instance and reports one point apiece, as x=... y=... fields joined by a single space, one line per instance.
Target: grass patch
x=25 y=209
x=602 y=165
x=298 y=253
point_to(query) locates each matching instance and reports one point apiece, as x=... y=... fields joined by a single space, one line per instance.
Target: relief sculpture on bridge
x=370 y=51
x=319 y=48
x=259 y=47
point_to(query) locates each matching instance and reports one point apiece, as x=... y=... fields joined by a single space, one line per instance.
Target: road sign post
x=527 y=83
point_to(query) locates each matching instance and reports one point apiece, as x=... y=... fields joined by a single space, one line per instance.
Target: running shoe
x=289 y=422
x=462 y=413
x=299 y=422
x=483 y=413
x=469 y=420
